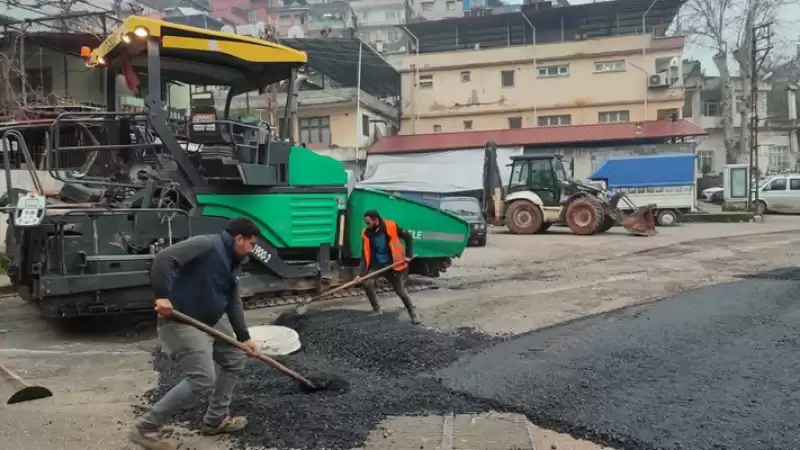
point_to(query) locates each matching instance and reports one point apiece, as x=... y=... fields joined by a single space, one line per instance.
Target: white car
x=707 y=193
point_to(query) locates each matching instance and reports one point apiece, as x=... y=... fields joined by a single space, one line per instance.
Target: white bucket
x=275 y=340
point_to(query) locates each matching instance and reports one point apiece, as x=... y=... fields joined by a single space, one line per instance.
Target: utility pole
x=760 y=46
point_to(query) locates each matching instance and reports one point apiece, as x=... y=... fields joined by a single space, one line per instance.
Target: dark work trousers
x=397 y=279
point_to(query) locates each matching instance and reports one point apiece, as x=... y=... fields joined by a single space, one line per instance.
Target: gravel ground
x=712 y=369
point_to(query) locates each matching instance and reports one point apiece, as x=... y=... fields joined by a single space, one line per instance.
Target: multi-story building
x=443 y=9
x=379 y=21
x=575 y=65
x=776 y=150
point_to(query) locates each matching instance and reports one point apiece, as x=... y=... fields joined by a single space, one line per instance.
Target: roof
x=338 y=59
x=540 y=136
x=552 y=23
x=647 y=170
x=198 y=56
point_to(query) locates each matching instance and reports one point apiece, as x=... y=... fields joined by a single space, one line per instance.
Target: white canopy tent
x=435 y=172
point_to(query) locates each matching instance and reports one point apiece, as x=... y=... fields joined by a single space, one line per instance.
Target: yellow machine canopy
x=195 y=55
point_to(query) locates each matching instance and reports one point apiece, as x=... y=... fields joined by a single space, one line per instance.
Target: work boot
x=227 y=424
x=414 y=317
x=149 y=437
x=377 y=311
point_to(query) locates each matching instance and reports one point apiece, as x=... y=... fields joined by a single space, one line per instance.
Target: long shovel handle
x=13 y=376
x=356 y=281
x=302 y=307
x=229 y=340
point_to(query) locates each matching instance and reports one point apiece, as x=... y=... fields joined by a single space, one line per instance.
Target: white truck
x=666 y=180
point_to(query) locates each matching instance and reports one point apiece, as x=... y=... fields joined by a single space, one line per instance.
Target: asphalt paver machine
x=132 y=185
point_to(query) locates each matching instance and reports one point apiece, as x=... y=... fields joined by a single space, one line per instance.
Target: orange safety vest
x=395 y=246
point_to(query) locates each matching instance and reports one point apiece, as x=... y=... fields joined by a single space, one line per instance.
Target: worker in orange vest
x=382 y=247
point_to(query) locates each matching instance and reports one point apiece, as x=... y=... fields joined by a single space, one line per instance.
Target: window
x=519 y=174
x=613 y=116
x=286 y=20
x=252 y=16
x=553 y=71
x=711 y=107
x=794 y=184
x=778 y=184
x=515 y=122
x=315 y=130
x=467 y=124
x=609 y=66
x=705 y=161
x=451 y=5
x=553 y=121
x=426 y=81
x=394 y=36
x=437 y=128
x=391 y=15
x=507 y=78
x=365 y=125
x=427 y=6
x=778 y=157
x=466 y=77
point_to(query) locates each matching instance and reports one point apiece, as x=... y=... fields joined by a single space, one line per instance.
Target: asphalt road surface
x=716 y=368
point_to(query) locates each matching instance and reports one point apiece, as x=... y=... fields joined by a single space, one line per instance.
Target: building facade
x=600 y=80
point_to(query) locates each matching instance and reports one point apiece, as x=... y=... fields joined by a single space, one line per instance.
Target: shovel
x=25 y=391
x=303 y=307
x=306 y=385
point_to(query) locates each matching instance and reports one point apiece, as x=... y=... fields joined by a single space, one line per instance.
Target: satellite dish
x=228 y=29
x=295 y=32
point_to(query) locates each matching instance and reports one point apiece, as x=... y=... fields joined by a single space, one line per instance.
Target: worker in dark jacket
x=382 y=247
x=198 y=277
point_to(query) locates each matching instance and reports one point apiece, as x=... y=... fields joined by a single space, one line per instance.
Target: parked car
x=779 y=193
x=469 y=209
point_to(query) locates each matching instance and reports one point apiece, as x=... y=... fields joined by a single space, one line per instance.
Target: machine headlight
x=141 y=32
x=479 y=226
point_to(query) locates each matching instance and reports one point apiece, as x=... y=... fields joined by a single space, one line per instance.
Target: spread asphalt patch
x=385 y=361
x=716 y=368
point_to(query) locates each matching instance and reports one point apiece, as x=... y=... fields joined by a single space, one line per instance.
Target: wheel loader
x=128 y=185
x=540 y=194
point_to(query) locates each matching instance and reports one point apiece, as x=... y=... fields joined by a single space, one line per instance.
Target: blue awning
x=647 y=171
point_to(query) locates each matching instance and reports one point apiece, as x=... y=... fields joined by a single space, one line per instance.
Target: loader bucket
x=641 y=222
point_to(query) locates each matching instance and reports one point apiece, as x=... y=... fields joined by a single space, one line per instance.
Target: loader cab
x=544 y=175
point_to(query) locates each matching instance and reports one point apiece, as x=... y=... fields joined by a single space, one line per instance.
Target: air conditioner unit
x=658 y=80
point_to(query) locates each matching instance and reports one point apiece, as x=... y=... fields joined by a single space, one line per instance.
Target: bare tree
x=726 y=27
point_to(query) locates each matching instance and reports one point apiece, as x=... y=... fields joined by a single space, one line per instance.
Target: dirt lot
x=514 y=285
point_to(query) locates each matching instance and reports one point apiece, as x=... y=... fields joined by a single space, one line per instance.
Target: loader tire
x=524 y=217
x=585 y=216
x=608 y=222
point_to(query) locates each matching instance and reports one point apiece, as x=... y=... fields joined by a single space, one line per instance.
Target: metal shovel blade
x=642 y=222
x=29 y=393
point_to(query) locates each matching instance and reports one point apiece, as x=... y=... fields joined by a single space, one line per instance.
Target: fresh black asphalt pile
x=385 y=360
x=718 y=368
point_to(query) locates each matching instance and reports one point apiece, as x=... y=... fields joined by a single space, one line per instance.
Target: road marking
x=447 y=432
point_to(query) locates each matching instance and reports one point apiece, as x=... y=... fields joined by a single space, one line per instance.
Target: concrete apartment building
x=542 y=68
x=379 y=23
x=777 y=149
